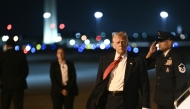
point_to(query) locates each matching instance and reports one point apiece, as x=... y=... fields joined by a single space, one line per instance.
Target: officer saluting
x=170 y=71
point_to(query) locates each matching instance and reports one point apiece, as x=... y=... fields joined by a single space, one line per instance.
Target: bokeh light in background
x=182 y=36
x=129 y=48
x=58 y=39
x=77 y=35
x=179 y=29
x=62 y=26
x=173 y=33
x=84 y=37
x=107 y=46
x=113 y=33
x=102 y=46
x=87 y=41
x=15 y=38
x=144 y=35
x=28 y=47
x=53 y=46
x=103 y=34
x=5 y=38
x=9 y=27
x=80 y=49
x=164 y=14
x=47 y=15
x=135 y=50
x=76 y=46
x=175 y=44
x=52 y=26
x=33 y=50
x=135 y=35
x=17 y=47
x=43 y=46
x=106 y=41
x=133 y=45
x=93 y=46
x=98 y=14
x=72 y=42
x=98 y=38
x=38 y=46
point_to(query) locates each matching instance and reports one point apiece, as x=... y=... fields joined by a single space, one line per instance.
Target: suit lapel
x=129 y=66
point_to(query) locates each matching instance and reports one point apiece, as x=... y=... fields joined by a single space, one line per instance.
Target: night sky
x=131 y=16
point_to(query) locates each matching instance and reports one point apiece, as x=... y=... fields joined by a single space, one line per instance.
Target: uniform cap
x=164 y=36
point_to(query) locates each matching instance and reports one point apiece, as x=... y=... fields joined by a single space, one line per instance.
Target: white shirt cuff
x=145 y=108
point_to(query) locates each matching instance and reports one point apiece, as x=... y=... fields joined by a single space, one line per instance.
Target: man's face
x=60 y=54
x=164 y=45
x=119 y=44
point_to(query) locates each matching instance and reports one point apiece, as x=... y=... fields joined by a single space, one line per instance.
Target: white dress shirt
x=64 y=72
x=116 y=81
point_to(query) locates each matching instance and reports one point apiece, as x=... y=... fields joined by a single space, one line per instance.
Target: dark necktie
x=111 y=67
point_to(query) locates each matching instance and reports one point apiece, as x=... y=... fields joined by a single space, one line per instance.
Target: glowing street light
x=164 y=14
x=98 y=14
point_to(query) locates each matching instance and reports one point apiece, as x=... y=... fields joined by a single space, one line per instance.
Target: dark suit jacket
x=171 y=81
x=56 y=79
x=136 y=80
x=13 y=69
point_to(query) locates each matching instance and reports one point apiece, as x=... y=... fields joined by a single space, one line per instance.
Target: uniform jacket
x=171 y=76
x=13 y=69
x=136 y=80
x=56 y=79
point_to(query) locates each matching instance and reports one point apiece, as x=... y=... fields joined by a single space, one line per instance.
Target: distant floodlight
x=15 y=38
x=98 y=14
x=164 y=14
x=5 y=38
x=72 y=42
x=47 y=15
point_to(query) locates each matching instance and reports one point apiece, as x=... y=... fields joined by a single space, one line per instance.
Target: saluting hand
x=153 y=47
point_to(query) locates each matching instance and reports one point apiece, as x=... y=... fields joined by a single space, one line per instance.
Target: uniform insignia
x=182 y=68
x=169 y=62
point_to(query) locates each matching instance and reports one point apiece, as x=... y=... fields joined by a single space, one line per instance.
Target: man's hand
x=64 y=92
x=152 y=49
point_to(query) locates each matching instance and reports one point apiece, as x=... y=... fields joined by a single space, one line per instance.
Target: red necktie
x=111 y=67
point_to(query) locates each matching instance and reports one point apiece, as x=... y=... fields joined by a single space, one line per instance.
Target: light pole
x=98 y=16
x=163 y=15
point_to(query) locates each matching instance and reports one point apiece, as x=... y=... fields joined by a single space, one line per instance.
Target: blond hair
x=120 y=34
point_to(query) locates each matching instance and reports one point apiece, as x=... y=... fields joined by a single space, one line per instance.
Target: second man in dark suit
x=63 y=82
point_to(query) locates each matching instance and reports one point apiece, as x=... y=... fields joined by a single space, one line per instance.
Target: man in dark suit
x=171 y=72
x=126 y=86
x=13 y=73
x=63 y=82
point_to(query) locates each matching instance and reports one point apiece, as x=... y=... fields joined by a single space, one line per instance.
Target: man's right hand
x=152 y=49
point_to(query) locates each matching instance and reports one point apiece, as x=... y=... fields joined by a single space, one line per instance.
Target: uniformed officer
x=170 y=71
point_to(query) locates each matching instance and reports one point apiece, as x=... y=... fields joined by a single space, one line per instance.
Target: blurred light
x=135 y=50
x=76 y=46
x=88 y=46
x=83 y=46
x=15 y=38
x=28 y=47
x=23 y=47
x=80 y=49
x=173 y=33
x=103 y=34
x=102 y=46
x=5 y=38
x=98 y=14
x=144 y=35
x=106 y=41
x=53 y=46
x=84 y=37
x=108 y=46
x=93 y=46
x=87 y=41
x=25 y=51
x=135 y=35
x=72 y=42
x=77 y=35
x=179 y=29
x=47 y=15
x=182 y=36
x=33 y=50
x=164 y=14
x=52 y=26
x=97 y=45
x=129 y=48
x=61 y=26
x=58 y=39
x=133 y=45
x=17 y=47
x=38 y=46
x=98 y=38
x=175 y=44
x=9 y=27
x=43 y=46
x=113 y=33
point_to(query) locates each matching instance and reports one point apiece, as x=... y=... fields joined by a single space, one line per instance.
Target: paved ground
x=37 y=95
